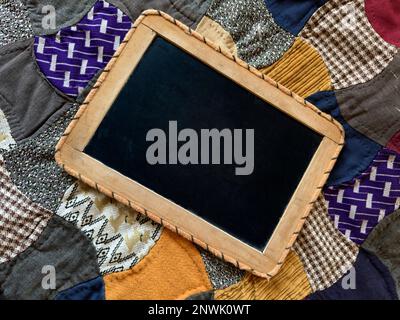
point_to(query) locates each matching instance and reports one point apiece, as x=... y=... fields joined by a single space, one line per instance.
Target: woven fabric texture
x=326 y=254
x=122 y=237
x=353 y=52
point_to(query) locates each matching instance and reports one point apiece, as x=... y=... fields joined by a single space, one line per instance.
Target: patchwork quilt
x=60 y=239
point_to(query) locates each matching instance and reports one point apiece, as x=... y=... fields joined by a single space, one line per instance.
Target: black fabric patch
x=171 y=85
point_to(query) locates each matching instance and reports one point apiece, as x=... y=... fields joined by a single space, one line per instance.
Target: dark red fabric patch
x=384 y=17
x=394 y=142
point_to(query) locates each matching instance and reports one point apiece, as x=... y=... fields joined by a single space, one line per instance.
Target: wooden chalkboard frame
x=70 y=155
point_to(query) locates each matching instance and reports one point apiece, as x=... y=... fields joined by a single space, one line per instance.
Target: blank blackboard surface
x=171 y=85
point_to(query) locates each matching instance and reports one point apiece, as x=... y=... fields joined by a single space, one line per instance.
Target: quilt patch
x=72 y=57
x=188 y=12
x=358 y=104
x=174 y=267
x=122 y=237
x=259 y=40
x=61 y=252
x=353 y=52
x=301 y=69
x=326 y=254
x=292 y=15
x=383 y=242
x=357 y=206
x=21 y=220
x=289 y=284
x=208 y=295
x=32 y=167
x=67 y=14
x=384 y=17
x=5 y=133
x=369 y=279
x=358 y=151
x=89 y=290
x=221 y=274
x=213 y=31
x=26 y=97
x=70 y=12
x=394 y=142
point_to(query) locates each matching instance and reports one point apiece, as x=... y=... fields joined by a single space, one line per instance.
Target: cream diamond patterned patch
x=122 y=237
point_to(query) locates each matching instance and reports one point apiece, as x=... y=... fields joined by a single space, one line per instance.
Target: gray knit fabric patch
x=259 y=40
x=14 y=22
x=32 y=166
x=221 y=274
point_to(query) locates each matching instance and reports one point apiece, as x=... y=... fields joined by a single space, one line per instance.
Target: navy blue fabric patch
x=89 y=290
x=358 y=151
x=371 y=281
x=292 y=15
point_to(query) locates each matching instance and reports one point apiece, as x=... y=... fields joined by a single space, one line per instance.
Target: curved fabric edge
x=291 y=283
x=325 y=253
x=353 y=52
x=383 y=242
x=292 y=15
x=358 y=151
x=89 y=290
x=384 y=17
x=174 y=266
x=369 y=279
x=301 y=69
x=64 y=13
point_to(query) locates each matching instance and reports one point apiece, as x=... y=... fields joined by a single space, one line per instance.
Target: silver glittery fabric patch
x=259 y=40
x=220 y=273
x=32 y=166
x=14 y=22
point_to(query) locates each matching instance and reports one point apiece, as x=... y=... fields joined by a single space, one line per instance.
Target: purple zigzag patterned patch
x=70 y=58
x=357 y=207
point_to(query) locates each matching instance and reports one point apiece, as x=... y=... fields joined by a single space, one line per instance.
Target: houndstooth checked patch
x=72 y=57
x=326 y=254
x=21 y=220
x=357 y=207
x=122 y=237
x=352 y=50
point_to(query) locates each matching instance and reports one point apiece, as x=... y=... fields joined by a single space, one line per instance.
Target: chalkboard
x=192 y=137
x=171 y=85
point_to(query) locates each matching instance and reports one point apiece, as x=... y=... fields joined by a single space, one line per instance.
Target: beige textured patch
x=213 y=31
